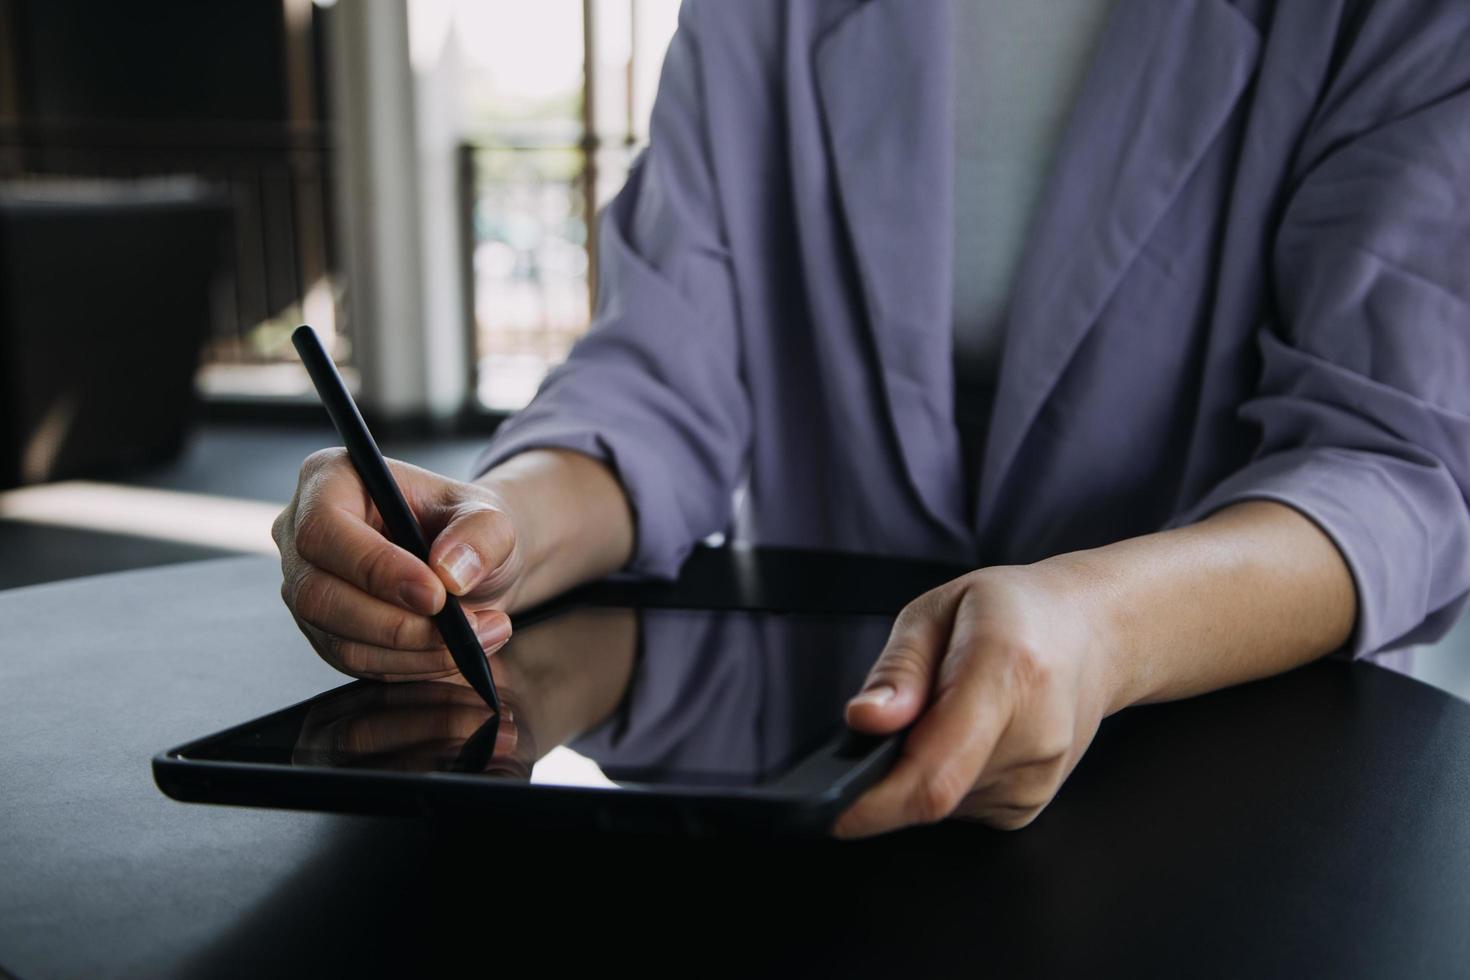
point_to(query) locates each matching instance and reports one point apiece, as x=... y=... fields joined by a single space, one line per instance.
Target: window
x=557 y=96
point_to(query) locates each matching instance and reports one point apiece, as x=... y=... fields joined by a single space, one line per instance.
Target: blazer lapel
x=883 y=74
x=1163 y=80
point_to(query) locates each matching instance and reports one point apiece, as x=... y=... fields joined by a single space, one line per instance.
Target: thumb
x=898 y=686
x=471 y=552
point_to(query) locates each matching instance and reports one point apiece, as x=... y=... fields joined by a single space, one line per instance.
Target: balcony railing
x=526 y=212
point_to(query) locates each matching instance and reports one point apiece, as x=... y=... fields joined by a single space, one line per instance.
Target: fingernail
x=462 y=565
x=493 y=632
x=417 y=596
x=876 y=696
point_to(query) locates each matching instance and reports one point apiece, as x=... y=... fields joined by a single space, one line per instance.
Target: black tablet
x=658 y=720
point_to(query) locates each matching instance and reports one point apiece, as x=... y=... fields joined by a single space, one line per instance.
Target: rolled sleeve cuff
x=659 y=546
x=1366 y=513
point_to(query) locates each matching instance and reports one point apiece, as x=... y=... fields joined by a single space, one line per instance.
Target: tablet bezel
x=803 y=801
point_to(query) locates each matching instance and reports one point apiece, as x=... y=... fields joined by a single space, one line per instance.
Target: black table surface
x=1316 y=824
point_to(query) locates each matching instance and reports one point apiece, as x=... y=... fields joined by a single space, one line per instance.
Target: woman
x=1216 y=425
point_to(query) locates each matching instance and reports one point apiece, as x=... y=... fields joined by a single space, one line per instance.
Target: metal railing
x=525 y=208
x=278 y=178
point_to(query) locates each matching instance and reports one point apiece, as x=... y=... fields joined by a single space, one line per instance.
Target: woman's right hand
x=365 y=603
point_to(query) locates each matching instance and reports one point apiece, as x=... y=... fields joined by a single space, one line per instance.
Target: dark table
x=1317 y=824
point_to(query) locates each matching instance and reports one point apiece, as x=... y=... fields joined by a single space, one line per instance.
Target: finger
x=900 y=681
x=342 y=610
x=415 y=665
x=338 y=608
x=284 y=520
x=1014 y=797
x=378 y=663
x=1041 y=737
x=943 y=755
x=1001 y=816
x=472 y=550
x=338 y=540
x=453 y=678
x=940 y=760
x=332 y=526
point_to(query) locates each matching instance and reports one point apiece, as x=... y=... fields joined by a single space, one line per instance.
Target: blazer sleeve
x=654 y=388
x=1364 y=397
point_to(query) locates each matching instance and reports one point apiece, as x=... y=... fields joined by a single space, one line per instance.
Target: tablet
x=654 y=720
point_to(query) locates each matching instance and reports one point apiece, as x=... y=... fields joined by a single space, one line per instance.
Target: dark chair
x=105 y=303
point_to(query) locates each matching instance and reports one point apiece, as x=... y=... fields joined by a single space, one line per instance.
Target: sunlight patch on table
x=227 y=523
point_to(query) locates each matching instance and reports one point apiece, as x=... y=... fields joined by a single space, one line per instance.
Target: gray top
x=1018 y=68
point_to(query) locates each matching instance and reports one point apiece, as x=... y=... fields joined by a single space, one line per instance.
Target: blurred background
x=182 y=183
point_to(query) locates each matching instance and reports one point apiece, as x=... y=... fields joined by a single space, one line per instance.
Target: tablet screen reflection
x=602 y=696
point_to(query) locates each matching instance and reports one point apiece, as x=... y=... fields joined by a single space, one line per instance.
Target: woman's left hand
x=1004 y=674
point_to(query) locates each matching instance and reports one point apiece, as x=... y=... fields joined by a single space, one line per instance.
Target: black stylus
x=403 y=527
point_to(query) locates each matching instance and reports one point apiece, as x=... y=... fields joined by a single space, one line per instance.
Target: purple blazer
x=1249 y=277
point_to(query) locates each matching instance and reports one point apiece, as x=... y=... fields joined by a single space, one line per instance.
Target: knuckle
x=386 y=678
x=901 y=659
x=492 y=532
x=938 y=603
x=1052 y=751
x=1031 y=794
x=1012 y=818
x=291 y=592
x=920 y=609
x=1021 y=801
x=320 y=460
x=1014 y=801
x=310 y=597
x=1032 y=804
x=288 y=594
x=493 y=521
x=325 y=644
x=332 y=647
x=375 y=570
x=279 y=525
x=313 y=533
x=405 y=633
x=936 y=796
x=498 y=528
x=337 y=652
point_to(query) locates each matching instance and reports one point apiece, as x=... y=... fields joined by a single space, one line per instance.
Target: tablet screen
x=599 y=696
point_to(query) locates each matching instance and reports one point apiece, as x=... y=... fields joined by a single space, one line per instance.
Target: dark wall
x=116 y=90
x=159 y=60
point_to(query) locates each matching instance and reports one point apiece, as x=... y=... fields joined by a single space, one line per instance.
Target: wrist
x=1094 y=597
x=571 y=517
